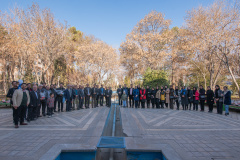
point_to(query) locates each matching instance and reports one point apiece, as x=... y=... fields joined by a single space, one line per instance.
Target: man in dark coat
x=68 y=94
x=87 y=93
x=210 y=99
x=59 y=92
x=119 y=92
x=94 y=96
x=108 y=94
x=101 y=95
x=11 y=91
x=81 y=97
x=171 y=97
x=190 y=97
x=148 y=90
x=153 y=96
x=131 y=98
x=34 y=104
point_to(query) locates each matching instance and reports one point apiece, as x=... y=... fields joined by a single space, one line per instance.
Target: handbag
x=202 y=96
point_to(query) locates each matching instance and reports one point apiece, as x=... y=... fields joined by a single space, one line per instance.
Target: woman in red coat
x=195 y=98
x=143 y=96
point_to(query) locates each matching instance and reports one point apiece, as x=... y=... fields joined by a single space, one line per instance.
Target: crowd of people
x=167 y=97
x=31 y=101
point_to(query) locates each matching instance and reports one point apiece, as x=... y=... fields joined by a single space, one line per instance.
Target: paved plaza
x=186 y=134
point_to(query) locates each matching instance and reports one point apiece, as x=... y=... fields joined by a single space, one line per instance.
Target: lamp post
x=58 y=80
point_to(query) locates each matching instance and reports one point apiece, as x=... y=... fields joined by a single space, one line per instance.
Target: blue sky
x=110 y=20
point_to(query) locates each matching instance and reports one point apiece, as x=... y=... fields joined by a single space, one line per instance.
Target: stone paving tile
x=31 y=142
x=192 y=134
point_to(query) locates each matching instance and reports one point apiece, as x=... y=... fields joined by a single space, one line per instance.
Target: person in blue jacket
x=227 y=99
x=136 y=96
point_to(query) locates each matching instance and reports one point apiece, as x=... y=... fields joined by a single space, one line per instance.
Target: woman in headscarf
x=210 y=99
x=202 y=97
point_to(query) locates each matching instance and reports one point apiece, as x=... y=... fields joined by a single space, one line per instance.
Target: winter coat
x=124 y=97
x=195 y=97
x=227 y=98
x=142 y=94
x=178 y=95
x=190 y=94
x=162 y=95
x=202 y=95
x=136 y=94
x=184 y=99
x=218 y=95
x=167 y=100
x=153 y=94
x=148 y=93
x=210 y=97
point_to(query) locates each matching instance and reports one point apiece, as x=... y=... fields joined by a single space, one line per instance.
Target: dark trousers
x=190 y=105
x=202 y=104
x=60 y=102
x=50 y=111
x=80 y=105
x=131 y=100
x=119 y=99
x=108 y=101
x=55 y=104
x=162 y=103
x=184 y=106
x=19 y=114
x=210 y=106
x=136 y=104
x=177 y=103
x=68 y=105
x=43 y=104
x=171 y=103
x=101 y=100
x=97 y=100
x=87 y=99
x=94 y=101
x=148 y=103
x=166 y=105
x=219 y=107
x=153 y=102
x=195 y=105
x=157 y=103
x=31 y=113
x=143 y=103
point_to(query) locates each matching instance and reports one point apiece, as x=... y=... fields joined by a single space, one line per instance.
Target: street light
x=58 y=80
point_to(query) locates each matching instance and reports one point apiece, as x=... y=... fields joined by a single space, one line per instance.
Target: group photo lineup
x=120 y=80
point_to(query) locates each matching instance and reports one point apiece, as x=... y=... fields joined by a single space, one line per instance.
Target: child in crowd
x=50 y=104
x=124 y=99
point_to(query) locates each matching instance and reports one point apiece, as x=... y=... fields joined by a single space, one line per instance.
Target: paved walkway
x=189 y=134
x=31 y=142
x=192 y=134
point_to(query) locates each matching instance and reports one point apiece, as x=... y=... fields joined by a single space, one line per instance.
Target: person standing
x=124 y=99
x=108 y=96
x=87 y=93
x=119 y=92
x=131 y=99
x=158 y=98
x=143 y=97
x=153 y=96
x=210 y=99
x=53 y=89
x=219 y=99
x=171 y=96
x=177 y=96
x=43 y=100
x=184 y=98
x=139 y=104
x=202 y=97
x=60 y=94
x=126 y=91
x=29 y=87
x=48 y=92
x=94 y=97
x=167 y=100
x=101 y=95
x=98 y=93
x=34 y=104
x=21 y=100
x=80 y=97
x=10 y=93
x=195 y=98
x=68 y=98
x=227 y=99
x=75 y=97
x=190 y=97
x=148 y=90
x=50 y=104
x=136 y=96
x=162 y=97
